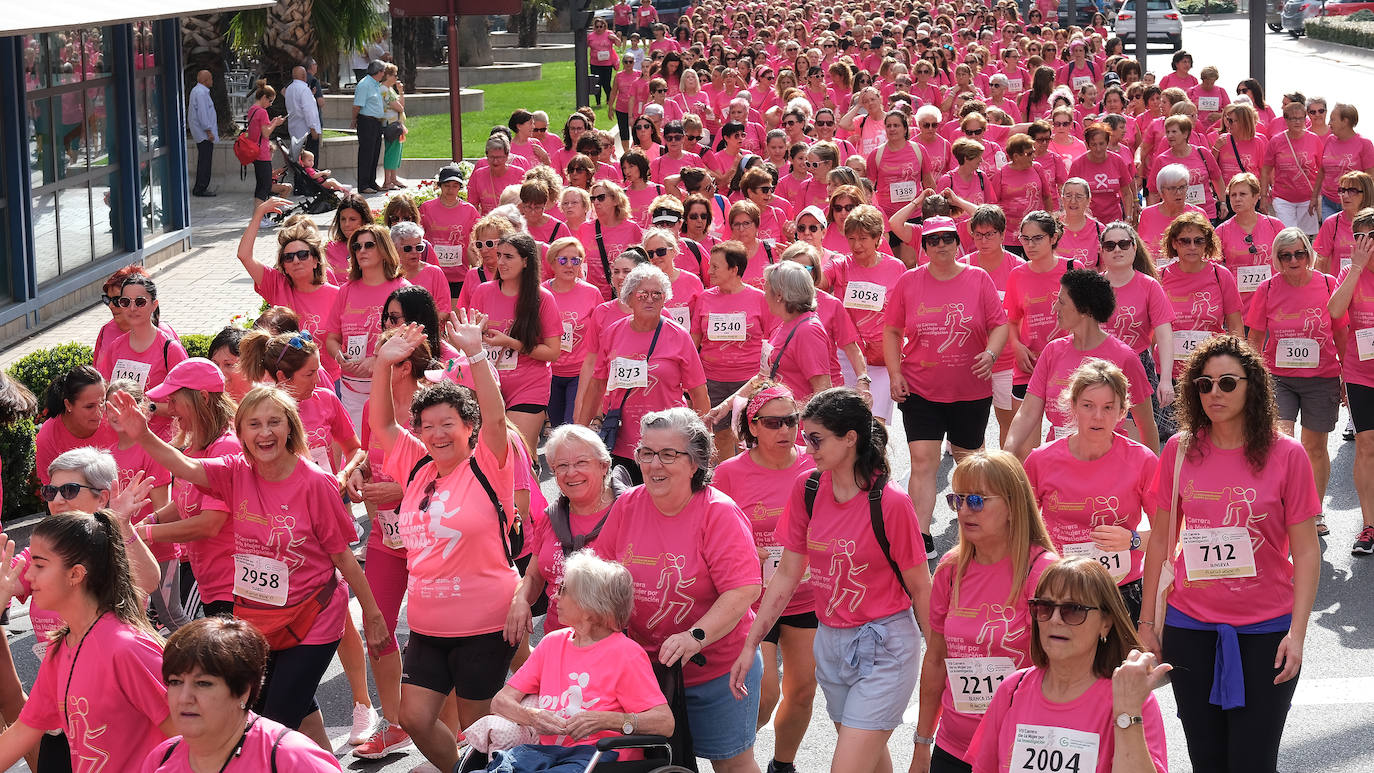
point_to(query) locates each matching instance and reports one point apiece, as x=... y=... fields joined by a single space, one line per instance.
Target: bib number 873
x=260 y=579
x=1050 y=760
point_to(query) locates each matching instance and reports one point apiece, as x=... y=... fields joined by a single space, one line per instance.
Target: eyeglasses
x=975 y=502
x=394 y=318
x=1069 y=612
x=928 y=125
x=987 y=234
x=1194 y=241
x=1316 y=111
x=67 y=490
x=650 y=295
x=764 y=189
x=937 y=239
x=643 y=127
x=544 y=130
x=789 y=123
x=140 y=302
x=974 y=132
x=420 y=248
x=110 y=300
x=825 y=124
x=814 y=440
x=1227 y=383
x=1063 y=124
x=486 y=244
x=843 y=207
x=694 y=138
x=1298 y=255
x=660 y=91
x=1351 y=191
x=360 y=246
x=665 y=456
x=699 y=216
x=1033 y=238
x=295 y=255
x=600 y=197
x=742 y=224
x=1123 y=245
x=810 y=229
x=778 y=422
x=581 y=465
x=672 y=137
x=1361 y=235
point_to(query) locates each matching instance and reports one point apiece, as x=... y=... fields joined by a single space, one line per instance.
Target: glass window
x=74 y=227
x=155 y=195
x=104 y=218
x=45 y=237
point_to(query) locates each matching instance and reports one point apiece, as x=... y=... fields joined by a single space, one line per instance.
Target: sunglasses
x=974 y=132
x=486 y=244
x=140 y=302
x=1361 y=235
x=67 y=490
x=672 y=137
x=394 y=318
x=843 y=207
x=657 y=252
x=420 y=248
x=764 y=189
x=1299 y=255
x=1123 y=245
x=810 y=229
x=298 y=342
x=545 y=130
x=290 y=257
x=778 y=422
x=975 y=502
x=359 y=246
x=1069 y=612
x=429 y=492
x=699 y=216
x=1312 y=111
x=928 y=125
x=1194 y=241
x=1063 y=124
x=1227 y=383
x=643 y=127
x=826 y=124
x=660 y=91
x=945 y=237
x=694 y=137
x=110 y=300
x=566 y=260
x=600 y=197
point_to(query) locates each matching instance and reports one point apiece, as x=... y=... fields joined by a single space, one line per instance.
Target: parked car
x=1273 y=17
x=1084 y=12
x=1164 y=22
x=1346 y=7
x=1296 y=12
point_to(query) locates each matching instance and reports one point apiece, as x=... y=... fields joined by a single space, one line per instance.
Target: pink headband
x=762 y=396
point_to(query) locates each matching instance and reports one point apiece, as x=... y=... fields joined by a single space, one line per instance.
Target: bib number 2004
x=1045 y=749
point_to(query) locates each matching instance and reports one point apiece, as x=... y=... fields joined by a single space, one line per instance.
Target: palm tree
x=285 y=34
x=202 y=38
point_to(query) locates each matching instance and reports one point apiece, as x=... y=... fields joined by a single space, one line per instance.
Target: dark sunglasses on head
x=355 y=246
x=289 y=257
x=1069 y=612
x=1227 y=383
x=67 y=490
x=420 y=248
x=140 y=302
x=777 y=422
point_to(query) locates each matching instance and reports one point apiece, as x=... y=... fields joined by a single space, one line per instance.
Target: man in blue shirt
x=204 y=127
x=367 y=119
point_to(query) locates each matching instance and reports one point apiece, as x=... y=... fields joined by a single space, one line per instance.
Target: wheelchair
x=656 y=749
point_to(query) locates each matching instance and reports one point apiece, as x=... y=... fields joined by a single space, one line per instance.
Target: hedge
x=1193 y=7
x=1347 y=31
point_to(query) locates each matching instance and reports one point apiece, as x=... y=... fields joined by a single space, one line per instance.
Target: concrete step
x=510 y=39
x=544 y=52
x=338 y=108
x=436 y=78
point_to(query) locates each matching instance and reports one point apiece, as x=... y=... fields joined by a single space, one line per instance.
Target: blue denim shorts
x=868 y=673
x=722 y=726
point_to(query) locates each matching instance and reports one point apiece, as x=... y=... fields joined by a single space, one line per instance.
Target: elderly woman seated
x=587 y=681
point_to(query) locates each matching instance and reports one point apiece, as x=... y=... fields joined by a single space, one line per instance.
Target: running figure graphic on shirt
x=997 y=632
x=670 y=588
x=958 y=325
x=845 y=572
x=280 y=540
x=1105 y=511
x=1126 y=324
x=570 y=702
x=1240 y=511
x=440 y=534
x=1203 y=308
x=79 y=720
x=1312 y=324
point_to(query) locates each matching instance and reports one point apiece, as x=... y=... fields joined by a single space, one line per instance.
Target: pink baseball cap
x=935 y=225
x=196 y=373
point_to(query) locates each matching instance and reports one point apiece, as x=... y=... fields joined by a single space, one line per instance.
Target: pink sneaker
x=388 y=738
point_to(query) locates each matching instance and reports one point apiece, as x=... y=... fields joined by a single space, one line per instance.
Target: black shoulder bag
x=610 y=423
x=512 y=535
x=605 y=262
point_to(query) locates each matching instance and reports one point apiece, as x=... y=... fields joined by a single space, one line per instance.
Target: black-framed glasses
x=295 y=255
x=673 y=137
x=973 y=132
x=643 y=127
x=1226 y=383
x=810 y=229
x=140 y=302
x=699 y=216
x=664 y=456
x=766 y=190
x=1250 y=243
x=1033 y=238
x=843 y=207
x=357 y=246
x=420 y=248
x=1122 y=245
x=825 y=124
x=657 y=252
x=738 y=224
x=67 y=490
x=1316 y=111
x=778 y=422
x=1351 y=191
x=110 y=300
x=1298 y=255
x=975 y=502
x=937 y=239
x=544 y=130
x=694 y=138
x=1070 y=612
x=600 y=197
x=392 y=318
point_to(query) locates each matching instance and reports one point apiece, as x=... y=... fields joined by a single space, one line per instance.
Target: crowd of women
x=813 y=219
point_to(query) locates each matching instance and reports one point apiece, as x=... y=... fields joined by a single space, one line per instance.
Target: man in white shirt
x=302 y=114
x=203 y=124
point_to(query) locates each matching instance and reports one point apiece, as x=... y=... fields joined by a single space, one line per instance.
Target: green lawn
x=428 y=135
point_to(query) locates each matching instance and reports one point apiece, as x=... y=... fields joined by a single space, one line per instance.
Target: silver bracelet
x=921 y=739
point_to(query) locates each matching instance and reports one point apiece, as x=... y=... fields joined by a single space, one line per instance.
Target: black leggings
x=262 y=180
x=602 y=75
x=293 y=676
x=1243 y=740
x=942 y=761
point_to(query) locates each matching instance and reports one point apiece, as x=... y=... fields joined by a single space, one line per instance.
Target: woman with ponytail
x=75 y=407
x=869 y=595
x=100 y=680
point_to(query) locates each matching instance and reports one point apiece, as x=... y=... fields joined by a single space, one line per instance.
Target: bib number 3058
x=1044 y=749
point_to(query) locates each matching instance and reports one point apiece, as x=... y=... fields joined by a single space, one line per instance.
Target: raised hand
x=125 y=415
x=399 y=346
x=465 y=332
x=127 y=501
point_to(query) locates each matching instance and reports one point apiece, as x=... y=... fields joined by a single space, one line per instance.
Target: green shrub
x=18 y=479
x=1211 y=6
x=39 y=369
x=1348 y=31
x=1364 y=14
x=197 y=344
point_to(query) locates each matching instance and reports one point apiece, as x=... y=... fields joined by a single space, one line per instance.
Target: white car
x=1165 y=22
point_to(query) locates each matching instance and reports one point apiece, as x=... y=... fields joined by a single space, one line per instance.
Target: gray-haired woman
x=587 y=486
x=411 y=249
x=1172 y=184
x=588 y=664
x=642 y=365
x=691 y=553
x=798 y=353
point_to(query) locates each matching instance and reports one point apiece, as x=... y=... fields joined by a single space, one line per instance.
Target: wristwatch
x=864 y=378
x=1124 y=720
x=698 y=634
x=629 y=727
x=1135 y=540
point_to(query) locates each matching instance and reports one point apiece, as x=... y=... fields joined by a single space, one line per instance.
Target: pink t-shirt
x=1355 y=154
x=839 y=327
x=1201 y=302
x=853 y=582
x=1141 y=306
x=544 y=543
x=357 y=316
x=1029 y=303
x=260 y=751
x=1336 y=240
x=524 y=380
x=147 y=368
x=1242 y=250
x=1218 y=489
x=640 y=200
x=1076 y=496
x=1301 y=314
x=1361 y=317
x=609 y=675
x=312 y=308
x=212 y=558
x=376 y=457
x=1294 y=164
x=1060 y=359
x=1202 y=169
x=673 y=370
x=897 y=175
x=448 y=229
x=983 y=625
x=475 y=277
x=762 y=494
x=681 y=565
x=135 y=459
x=1020 y=702
x=1153 y=223
x=1082 y=246
x=1001 y=275
x=726 y=353
x=44 y=621
x=433 y=279
x=54 y=439
x=574 y=313
x=946 y=324
x=798 y=350
x=109 y=698
x=299 y=521
x=484 y=188
x=873 y=287
x=336 y=256
x=937 y=153
x=1210 y=102
x=1252 y=153
x=616 y=238
x=1019 y=191
x=685 y=288
x=1106 y=179
x=326 y=422
x=454 y=551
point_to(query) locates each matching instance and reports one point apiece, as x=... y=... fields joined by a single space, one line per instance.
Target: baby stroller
x=318 y=199
x=656 y=749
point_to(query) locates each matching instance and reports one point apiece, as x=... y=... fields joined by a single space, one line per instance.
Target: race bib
x=1195 y=195
x=680 y=315
x=260 y=579
x=1211 y=554
x=1014 y=84
x=726 y=326
x=320 y=456
x=355 y=347
x=603 y=56
x=1060 y=432
x=565 y=341
x=972 y=681
x=1079 y=81
x=1209 y=104
x=1116 y=562
x=901 y=192
x=1297 y=353
x=1364 y=343
x=390 y=522
x=1187 y=341
x=869 y=296
x=449 y=255
x=770 y=564
x=1044 y=749
x=1249 y=278
x=628 y=373
x=502 y=358
x=133 y=370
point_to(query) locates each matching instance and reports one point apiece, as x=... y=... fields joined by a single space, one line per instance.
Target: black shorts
x=1019 y=391
x=801 y=620
x=964 y=423
x=527 y=408
x=1361 y=399
x=473 y=666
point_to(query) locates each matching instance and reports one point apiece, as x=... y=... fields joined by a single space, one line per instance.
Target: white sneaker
x=364 y=720
x=267 y=222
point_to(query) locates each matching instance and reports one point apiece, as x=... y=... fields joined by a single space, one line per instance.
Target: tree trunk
x=526 y=25
x=474 y=42
x=288 y=41
x=406 y=32
x=202 y=39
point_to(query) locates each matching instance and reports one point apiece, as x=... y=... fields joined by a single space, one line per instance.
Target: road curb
x=1326 y=46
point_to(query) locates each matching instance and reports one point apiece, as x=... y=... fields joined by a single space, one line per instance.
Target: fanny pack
x=285 y=627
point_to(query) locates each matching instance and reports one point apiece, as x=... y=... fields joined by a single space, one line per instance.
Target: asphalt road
x=1329 y=724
